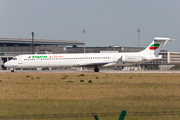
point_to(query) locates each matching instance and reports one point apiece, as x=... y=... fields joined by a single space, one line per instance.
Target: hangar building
x=10 y=47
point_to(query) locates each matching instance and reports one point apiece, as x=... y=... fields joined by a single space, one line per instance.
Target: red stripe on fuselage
x=153 y=48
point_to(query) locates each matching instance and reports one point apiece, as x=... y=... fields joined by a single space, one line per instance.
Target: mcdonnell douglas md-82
x=94 y=60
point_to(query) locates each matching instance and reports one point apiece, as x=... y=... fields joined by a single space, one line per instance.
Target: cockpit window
x=14 y=58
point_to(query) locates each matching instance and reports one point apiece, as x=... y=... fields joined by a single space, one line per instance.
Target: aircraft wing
x=94 y=64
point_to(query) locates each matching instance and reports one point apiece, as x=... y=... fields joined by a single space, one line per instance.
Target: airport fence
x=98 y=116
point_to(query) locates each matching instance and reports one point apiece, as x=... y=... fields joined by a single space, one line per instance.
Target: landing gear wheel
x=96 y=69
x=12 y=70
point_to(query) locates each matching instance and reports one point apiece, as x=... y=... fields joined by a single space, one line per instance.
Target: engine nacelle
x=131 y=59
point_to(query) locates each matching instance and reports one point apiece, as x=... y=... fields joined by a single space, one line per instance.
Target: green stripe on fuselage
x=155 y=45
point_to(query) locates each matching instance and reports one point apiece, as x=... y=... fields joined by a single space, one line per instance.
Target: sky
x=106 y=22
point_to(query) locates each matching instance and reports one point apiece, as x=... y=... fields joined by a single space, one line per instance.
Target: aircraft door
x=19 y=60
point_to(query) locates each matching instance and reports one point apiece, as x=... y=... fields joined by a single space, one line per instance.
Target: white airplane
x=94 y=60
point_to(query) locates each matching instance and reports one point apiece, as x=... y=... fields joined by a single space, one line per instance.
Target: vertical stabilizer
x=156 y=46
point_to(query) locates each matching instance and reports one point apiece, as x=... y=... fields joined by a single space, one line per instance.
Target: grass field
x=74 y=93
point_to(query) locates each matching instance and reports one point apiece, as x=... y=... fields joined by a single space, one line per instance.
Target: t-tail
x=156 y=46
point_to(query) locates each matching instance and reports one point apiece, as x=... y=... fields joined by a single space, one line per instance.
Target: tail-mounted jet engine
x=131 y=59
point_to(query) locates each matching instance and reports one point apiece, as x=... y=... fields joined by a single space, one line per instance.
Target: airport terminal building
x=10 y=47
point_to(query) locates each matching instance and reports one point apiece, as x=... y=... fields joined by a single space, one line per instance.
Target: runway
x=88 y=71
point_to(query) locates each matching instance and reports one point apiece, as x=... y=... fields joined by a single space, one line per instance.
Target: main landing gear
x=96 y=69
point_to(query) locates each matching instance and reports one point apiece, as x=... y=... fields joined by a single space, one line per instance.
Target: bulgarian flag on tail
x=154 y=46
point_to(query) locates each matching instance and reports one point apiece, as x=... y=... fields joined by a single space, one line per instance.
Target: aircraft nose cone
x=7 y=64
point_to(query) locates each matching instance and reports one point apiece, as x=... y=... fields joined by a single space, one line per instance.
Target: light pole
x=32 y=42
x=139 y=31
x=84 y=32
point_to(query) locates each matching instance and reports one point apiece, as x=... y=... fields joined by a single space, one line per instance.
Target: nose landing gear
x=12 y=69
